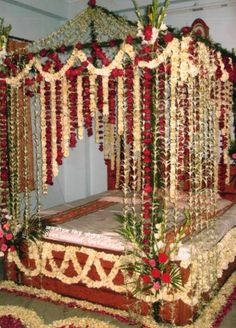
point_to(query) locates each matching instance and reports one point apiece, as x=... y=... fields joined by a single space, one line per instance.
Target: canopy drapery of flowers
x=159 y=102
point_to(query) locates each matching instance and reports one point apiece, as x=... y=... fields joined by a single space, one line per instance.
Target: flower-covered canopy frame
x=161 y=106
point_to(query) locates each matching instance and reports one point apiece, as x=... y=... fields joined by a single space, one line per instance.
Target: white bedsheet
x=108 y=240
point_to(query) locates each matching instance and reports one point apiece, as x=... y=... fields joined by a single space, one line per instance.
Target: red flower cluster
x=168 y=37
x=129 y=75
x=185 y=30
x=3 y=146
x=10 y=66
x=92 y=3
x=155 y=273
x=6 y=237
x=148 y=32
x=86 y=105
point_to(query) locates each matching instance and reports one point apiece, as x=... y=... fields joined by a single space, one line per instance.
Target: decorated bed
x=159 y=102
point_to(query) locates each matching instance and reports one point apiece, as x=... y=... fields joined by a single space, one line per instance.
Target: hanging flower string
x=3 y=147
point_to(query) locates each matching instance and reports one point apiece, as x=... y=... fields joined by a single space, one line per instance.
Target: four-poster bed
x=159 y=103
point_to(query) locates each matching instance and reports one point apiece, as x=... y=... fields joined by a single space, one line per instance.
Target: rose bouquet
x=13 y=235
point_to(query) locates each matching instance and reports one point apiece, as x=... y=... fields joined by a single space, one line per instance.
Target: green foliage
x=4 y=29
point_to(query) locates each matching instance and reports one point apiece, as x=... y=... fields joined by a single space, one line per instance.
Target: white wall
x=29 y=24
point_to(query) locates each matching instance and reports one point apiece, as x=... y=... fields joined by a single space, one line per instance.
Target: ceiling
x=63 y=9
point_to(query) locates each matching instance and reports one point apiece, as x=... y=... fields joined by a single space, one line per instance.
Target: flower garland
x=48 y=130
x=99 y=126
x=86 y=106
x=11 y=314
x=147 y=141
x=59 y=123
x=72 y=103
x=3 y=146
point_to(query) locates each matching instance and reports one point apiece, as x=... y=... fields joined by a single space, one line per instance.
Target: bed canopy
x=159 y=102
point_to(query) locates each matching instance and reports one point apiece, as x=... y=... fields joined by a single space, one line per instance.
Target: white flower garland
x=55 y=170
x=80 y=108
x=65 y=118
x=43 y=138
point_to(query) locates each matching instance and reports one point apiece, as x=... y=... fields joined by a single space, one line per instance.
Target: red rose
x=218 y=73
x=168 y=37
x=53 y=56
x=146 y=279
x=162 y=257
x=9 y=236
x=29 y=81
x=12 y=248
x=147 y=152
x=129 y=39
x=148 y=188
x=166 y=278
x=145 y=50
x=145 y=260
x=43 y=52
x=112 y=43
x=79 y=46
x=30 y=55
x=92 y=3
x=198 y=32
x=146 y=215
x=156 y=273
x=62 y=49
x=185 y=30
x=7 y=61
x=4 y=175
x=147 y=232
x=148 y=32
x=168 y=69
